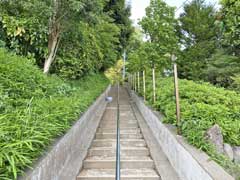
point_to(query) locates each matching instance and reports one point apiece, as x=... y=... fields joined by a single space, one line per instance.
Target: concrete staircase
x=136 y=163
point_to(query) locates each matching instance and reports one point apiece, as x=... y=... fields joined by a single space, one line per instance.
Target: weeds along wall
x=35 y=109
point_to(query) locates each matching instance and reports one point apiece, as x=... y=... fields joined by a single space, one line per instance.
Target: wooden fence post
x=130 y=80
x=144 y=86
x=154 y=85
x=176 y=94
x=135 y=77
x=138 y=75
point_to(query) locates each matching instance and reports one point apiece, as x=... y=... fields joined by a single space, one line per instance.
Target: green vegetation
x=76 y=42
x=69 y=39
x=36 y=109
x=206 y=43
x=202 y=106
x=205 y=40
x=210 y=38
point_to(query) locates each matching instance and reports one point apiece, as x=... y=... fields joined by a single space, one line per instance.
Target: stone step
x=126 y=174
x=103 y=123
x=113 y=121
x=133 y=162
x=126 y=116
x=124 y=143
x=132 y=125
x=122 y=136
x=136 y=163
x=103 y=151
x=137 y=130
x=114 y=128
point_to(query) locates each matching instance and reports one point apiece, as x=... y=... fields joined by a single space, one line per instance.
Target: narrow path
x=136 y=162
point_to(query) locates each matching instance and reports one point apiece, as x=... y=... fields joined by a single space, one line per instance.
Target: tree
x=69 y=38
x=159 y=25
x=23 y=26
x=197 y=36
x=61 y=13
x=90 y=45
x=120 y=13
x=231 y=18
x=221 y=68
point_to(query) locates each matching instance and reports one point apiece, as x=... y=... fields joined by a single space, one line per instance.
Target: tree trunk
x=53 y=37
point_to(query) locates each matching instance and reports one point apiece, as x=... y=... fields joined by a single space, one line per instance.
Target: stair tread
x=123 y=158
x=120 y=133
x=125 y=140
x=136 y=162
x=122 y=148
x=124 y=173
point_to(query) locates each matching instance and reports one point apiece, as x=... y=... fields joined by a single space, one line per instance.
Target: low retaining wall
x=189 y=162
x=65 y=158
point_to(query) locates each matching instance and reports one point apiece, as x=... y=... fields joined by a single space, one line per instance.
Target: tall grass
x=35 y=109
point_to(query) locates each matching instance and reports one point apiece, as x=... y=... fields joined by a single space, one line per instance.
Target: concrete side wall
x=186 y=160
x=162 y=164
x=65 y=158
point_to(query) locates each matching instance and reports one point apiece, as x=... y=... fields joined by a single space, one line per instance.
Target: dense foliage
x=35 y=109
x=205 y=41
x=120 y=12
x=69 y=39
x=159 y=25
x=231 y=18
x=206 y=34
x=198 y=37
x=72 y=40
x=221 y=69
x=202 y=106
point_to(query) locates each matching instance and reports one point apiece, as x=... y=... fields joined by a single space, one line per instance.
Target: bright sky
x=138 y=7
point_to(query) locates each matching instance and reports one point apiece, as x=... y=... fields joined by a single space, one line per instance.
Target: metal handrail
x=118 y=173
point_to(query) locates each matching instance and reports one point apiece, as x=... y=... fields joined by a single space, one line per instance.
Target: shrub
x=202 y=106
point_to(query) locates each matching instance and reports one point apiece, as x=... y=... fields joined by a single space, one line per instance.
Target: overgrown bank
x=35 y=109
x=202 y=106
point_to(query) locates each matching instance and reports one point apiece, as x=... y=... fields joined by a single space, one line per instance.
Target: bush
x=202 y=106
x=35 y=109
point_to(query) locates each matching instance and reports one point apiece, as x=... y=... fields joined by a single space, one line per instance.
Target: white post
x=154 y=84
x=135 y=85
x=144 y=86
x=138 y=74
x=129 y=80
x=124 y=65
x=132 y=81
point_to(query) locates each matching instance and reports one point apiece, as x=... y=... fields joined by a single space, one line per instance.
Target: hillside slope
x=35 y=109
